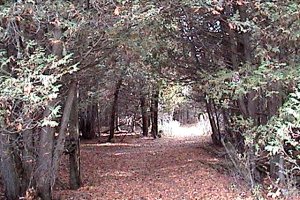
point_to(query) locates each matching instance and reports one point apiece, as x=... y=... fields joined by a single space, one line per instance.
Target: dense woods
x=79 y=69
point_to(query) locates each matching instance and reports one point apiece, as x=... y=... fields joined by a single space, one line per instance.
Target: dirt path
x=145 y=169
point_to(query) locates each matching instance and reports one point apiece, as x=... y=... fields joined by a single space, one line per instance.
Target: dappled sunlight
x=117 y=174
x=213 y=160
x=108 y=144
x=119 y=154
x=121 y=133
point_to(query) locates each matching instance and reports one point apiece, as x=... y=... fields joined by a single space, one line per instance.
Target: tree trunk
x=96 y=120
x=154 y=112
x=276 y=161
x=74 y=143
x=117 y=126
x=233 y=48
x=212 y=123
x=8 y=169
x=113 y=110
x=59 y=147
x=27 y=159
x=99 y=121
x=133 y=123
x=88 y=121
x=44 y=161
x=217 y=116
x=144 y=115
x=245 y=37
x=45 y=152
x=252 y=106
x=227 y=123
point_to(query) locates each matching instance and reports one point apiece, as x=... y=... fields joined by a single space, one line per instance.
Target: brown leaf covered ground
x=146 y=169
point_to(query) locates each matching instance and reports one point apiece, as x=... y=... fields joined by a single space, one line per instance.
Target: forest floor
x=135 y=168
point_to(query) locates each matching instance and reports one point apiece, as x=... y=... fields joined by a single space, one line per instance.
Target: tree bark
x=113 y=109
x=74 y=142
x=27 y=159
x=245 y=37
x=154 y=112
x=117 y=119
x=133 y=123
x=8 y=169
x=45 y=154
x=252 y=106
x=144 y=115
x=59 y=147
x=44 y=161
x=217 y=116
x=212 y=123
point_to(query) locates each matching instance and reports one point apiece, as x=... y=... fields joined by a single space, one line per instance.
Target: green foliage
x=172 y=96
x=145 y=42
x=34 y=81
x=262 y=97
x=280 y=128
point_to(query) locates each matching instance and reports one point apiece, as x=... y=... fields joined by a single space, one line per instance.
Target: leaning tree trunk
x=60 y=142
x=113 y=110
x=74 y=144
x=217 y=117
x=212 y=121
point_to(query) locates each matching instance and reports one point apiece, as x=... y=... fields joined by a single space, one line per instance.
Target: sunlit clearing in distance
x=175 y=129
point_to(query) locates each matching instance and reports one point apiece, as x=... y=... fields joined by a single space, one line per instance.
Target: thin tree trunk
x=133 y=123
x=281 y=171
x=233 y=48
x=100 y=120
x=242 y=106
x=113 y=110
x=144 y=115
x=217 y=115
x=117 y=126
x=212 y=122
x=252 y=106
x=96 y=120
x=154 y=112
x=227 y=123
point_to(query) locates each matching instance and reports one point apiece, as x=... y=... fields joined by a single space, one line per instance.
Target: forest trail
x=146 y=169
